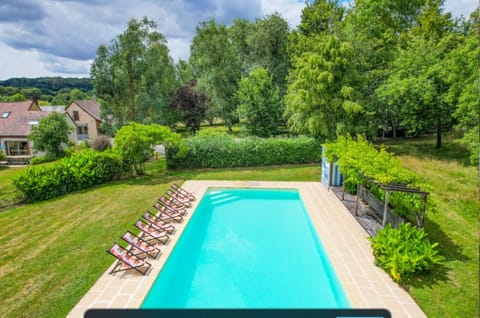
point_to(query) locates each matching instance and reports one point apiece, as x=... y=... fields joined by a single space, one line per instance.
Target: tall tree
x=239 y=33
x=51 y=134
x=321 y=17
x=373 y=28
x=318 y=100
x=463 y=78
x=417 y=87
x=217 y=68
x=268 y=49
x=134 y=77
x=260 y=103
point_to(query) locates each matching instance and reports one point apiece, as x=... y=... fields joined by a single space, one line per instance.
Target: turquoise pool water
x=247 y=248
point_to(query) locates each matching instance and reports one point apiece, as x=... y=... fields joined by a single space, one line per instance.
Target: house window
x=82 y=132
x=76 y=117
x=5 y=114
x=17 y=148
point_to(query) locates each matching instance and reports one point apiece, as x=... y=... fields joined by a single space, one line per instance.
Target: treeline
x=48 y=90
x=49 y=85
x=375 y=68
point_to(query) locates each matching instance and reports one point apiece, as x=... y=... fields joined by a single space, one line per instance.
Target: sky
x=60 y=37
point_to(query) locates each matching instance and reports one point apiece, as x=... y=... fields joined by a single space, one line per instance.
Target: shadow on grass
x=424 y=147
x=448 y=249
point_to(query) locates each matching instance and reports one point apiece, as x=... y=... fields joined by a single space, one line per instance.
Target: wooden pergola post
x=385 y=208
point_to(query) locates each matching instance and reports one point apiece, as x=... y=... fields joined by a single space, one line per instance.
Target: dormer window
x=5 y=114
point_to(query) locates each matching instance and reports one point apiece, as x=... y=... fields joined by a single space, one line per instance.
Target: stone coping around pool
x=344 y=240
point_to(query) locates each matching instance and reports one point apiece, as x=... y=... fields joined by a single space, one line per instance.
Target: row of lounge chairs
x=155 y=228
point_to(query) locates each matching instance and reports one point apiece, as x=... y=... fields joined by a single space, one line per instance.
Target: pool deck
x=345 y=241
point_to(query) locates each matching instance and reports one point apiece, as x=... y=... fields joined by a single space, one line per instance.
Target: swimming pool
x=246 y=248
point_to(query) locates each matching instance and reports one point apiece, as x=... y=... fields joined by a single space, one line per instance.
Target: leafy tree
x=217 y=69
x=375 y=44
x=191 y=105
x=463 y=82
x=318 y=100
x=239 y=33
x=134 y=143
x=260 y=103
x=134 y=77
x=66 y=96
x=268 y=48
x=321 y=17
x=51 y=132
x=184 y=71
x=417 y=86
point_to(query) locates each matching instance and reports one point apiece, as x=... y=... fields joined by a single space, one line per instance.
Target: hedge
x=224 y=151
x=79 y=171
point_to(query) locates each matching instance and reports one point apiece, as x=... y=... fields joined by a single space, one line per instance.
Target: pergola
x=396 y=187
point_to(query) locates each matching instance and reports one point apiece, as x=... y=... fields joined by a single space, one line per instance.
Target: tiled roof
x=19 y=121
x=90 y=106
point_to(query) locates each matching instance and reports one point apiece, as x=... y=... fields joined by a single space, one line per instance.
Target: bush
x=3 y=157
x=224 y=151
x=404 y=252
x=42 y=159
x=101 y=143
x=359 y=160
x=79 y=171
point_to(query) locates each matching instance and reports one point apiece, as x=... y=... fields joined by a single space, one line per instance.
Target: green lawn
x=452 y=290
x=54 y=251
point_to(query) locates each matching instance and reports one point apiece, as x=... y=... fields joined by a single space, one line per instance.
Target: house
x=86 y=116
x=16 y=121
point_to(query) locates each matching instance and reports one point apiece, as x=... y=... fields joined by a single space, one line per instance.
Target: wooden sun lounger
x=140 y=245
x=127 y=260
x=184 y=192
x=158 y=223
x=153 y=233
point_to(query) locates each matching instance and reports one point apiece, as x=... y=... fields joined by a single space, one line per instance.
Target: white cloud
x=62 y=36
x=290 y=10
x=460 y=7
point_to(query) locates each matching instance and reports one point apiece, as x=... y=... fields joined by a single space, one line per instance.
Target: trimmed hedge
x=79 y=171
x=224 y=151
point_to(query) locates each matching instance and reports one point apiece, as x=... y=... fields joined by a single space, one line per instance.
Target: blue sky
x=60 y=37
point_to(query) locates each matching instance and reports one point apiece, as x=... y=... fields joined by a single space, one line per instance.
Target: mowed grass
x=8 y=193
x=54 y=251
x=451 y=290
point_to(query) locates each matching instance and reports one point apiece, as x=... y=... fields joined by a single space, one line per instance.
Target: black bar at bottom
x=237 y=313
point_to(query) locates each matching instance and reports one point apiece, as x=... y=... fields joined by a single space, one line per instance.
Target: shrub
x=3 y=157
x=359 y=160
x=79 y=171
x=101 y=143
x=224 y=151
x=42 y=159
x=405 y=251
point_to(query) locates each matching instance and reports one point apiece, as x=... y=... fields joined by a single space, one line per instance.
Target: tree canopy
x=50 y=134
x=134 y=77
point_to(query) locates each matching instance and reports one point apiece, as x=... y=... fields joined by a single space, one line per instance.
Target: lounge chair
x=141 y=246
x=164 y=202
x=127 y=260
x=153 y=233
x=182 y=191
x=158 y=223
x=166 y=213
x=177 y=199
